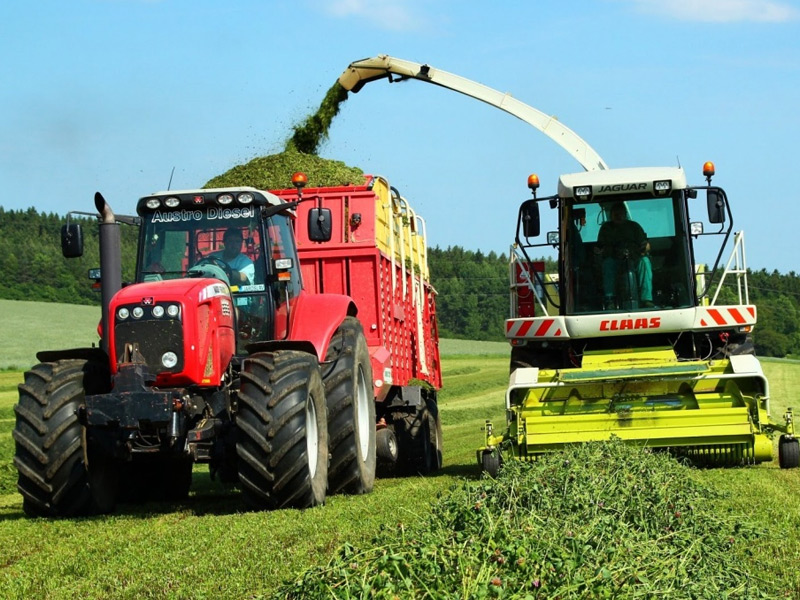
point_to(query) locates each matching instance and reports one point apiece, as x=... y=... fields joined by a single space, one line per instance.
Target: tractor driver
x=241 y=266
x=623 y=242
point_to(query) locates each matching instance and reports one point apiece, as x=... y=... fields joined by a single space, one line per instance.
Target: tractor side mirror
x=71 y=240
x=529 y=217
x=319 y=224
x=716 y=205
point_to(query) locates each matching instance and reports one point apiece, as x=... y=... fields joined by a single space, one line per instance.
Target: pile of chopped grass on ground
x=595 y=521
x=275 y=171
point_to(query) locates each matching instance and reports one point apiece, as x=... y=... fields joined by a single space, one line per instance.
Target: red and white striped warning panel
x=541 y=328
x=715 y=317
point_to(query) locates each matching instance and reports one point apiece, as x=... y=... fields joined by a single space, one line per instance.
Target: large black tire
x=282 y=445
x=51 y=449
x=347 y=375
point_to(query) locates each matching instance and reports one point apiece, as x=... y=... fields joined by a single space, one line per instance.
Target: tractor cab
x=240 y=236
x=624 y=240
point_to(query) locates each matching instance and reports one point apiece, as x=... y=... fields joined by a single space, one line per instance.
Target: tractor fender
x=93 y=354
x=316 y=317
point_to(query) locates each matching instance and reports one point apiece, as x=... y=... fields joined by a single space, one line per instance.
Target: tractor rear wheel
x=788 y=452
x=282 y=445
x=51 y=449
x=347 y=375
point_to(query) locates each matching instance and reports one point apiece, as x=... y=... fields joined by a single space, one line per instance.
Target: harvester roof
x=615 y=181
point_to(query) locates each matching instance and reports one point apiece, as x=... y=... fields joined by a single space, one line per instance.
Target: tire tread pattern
x=349 y=472
x=271 y=446
x=49 y=441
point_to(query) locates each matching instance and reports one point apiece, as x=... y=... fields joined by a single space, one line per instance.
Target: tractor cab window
x=625 y=253
x=189 y=243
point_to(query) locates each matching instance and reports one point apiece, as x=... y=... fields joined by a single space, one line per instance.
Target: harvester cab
x=633 y=337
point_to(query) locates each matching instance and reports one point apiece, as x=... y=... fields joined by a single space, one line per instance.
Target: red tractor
x=216 y=354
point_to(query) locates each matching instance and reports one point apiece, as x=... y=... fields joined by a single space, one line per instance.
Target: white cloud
x=721 y=11
x=396 y=15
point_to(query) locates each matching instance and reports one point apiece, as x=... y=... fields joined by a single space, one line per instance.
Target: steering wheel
x=217 y=262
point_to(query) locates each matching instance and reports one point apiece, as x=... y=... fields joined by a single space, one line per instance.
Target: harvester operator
x=623 y=242
x=240 y=265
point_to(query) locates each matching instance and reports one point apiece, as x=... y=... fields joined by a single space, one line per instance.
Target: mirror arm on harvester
x=363 y=71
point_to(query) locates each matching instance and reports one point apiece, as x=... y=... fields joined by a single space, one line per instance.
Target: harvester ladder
x=738 y=258
x=524 y=266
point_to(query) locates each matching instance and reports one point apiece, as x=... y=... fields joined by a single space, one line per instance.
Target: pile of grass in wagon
x=274 y=172
x=595 y=521
x=300 y=154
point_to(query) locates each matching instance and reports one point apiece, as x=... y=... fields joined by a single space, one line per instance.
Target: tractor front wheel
x=51 y=448
x=282 y=446
x=351 y=411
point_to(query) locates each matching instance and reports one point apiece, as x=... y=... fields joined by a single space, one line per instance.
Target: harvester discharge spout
x=361 y=72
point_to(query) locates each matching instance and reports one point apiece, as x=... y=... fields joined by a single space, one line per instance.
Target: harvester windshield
x=626 y=253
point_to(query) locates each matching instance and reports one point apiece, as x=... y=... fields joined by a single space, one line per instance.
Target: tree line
x=473 y=289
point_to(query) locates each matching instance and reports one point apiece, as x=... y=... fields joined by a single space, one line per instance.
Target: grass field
x=28 y=327
x=209 y=546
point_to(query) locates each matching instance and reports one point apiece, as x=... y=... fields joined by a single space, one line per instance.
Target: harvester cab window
x=625 y=253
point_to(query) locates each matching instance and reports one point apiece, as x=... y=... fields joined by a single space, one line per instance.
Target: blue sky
x=110 y=95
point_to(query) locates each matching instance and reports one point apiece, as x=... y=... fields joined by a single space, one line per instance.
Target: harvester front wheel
x=51 y=448
x=788 y=452
x=490 y=462
x=282 y=446
x=347 y=375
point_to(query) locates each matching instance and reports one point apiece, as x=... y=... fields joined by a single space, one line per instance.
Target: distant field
x=470 y=348
x=28 y=327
